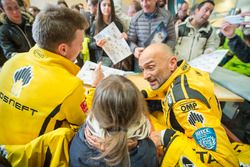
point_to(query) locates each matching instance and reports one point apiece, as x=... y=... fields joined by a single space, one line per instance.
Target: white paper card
x=235 y=19
x=208 y=62
x=86 y=72
x=115 y=47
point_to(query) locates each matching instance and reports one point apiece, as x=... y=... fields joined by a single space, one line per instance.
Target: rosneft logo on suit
x=22 y=78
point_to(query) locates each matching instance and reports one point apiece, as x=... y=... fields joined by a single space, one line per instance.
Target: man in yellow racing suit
x=39 y=90
x=191 y=111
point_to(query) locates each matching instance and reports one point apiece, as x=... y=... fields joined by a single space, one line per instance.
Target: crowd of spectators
x=40 y=93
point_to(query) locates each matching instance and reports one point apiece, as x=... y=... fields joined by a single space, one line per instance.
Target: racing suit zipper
x=189 y=56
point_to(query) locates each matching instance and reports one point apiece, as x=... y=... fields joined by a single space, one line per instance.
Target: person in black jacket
x=2 y=57
x=91 y=15
x=105 y=15
x=15 y=33
x=236 y=44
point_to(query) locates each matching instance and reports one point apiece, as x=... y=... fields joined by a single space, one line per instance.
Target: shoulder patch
x=206 y=138
x=83 y=106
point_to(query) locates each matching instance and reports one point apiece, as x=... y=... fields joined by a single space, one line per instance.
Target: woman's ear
x=62 y=49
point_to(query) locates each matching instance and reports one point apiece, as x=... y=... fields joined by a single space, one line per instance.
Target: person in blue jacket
x=116 y=132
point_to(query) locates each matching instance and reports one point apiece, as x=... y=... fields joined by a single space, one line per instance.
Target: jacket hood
x=2 y=18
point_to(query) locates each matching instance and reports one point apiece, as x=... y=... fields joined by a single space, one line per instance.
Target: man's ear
x=62 y=49
x=172 y=63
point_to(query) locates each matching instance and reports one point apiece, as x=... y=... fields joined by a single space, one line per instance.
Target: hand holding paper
x=97 y=75
x=92 y=73
x=228 y=29
x=138 y=52
x=114 y=46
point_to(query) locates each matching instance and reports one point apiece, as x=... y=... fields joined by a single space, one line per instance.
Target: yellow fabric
x=243 y=153
x=89 y=97
x=157 y=121
x=85 y=49
x=190 y=94
x=48 y=96
x=35 y=153
x=181 y=150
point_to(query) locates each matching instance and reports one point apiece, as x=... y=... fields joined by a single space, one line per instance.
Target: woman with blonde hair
x=116 y=131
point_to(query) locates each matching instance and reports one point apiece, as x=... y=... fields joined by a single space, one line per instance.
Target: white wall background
x=222 y=5
x=41 y=3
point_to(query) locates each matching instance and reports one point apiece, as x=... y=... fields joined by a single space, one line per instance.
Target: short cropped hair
x=55 y=25
x=203 y=3
x=62 y=2
x=137 y=5
x=36 y=9
x=93 y=2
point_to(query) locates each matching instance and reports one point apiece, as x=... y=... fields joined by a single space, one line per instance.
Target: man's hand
x=228 y=29
x=97 y=75
x=138 y=52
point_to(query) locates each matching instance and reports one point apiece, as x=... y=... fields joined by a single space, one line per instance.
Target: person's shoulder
x=164 y=12
x=137 y=16
x=87 y=14
x=183 y=29
x=4 y=28
x=186 y=22
x=118 y=23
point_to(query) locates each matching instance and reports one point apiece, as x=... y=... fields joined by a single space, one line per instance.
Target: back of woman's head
x=117 y=104
x=55 y=25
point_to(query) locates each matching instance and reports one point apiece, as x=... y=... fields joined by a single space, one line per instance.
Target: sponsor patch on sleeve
x=84 y=107
x=206 y=138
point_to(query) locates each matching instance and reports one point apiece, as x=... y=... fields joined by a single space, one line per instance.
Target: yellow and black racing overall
x=193 y=119
x=39 y=92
